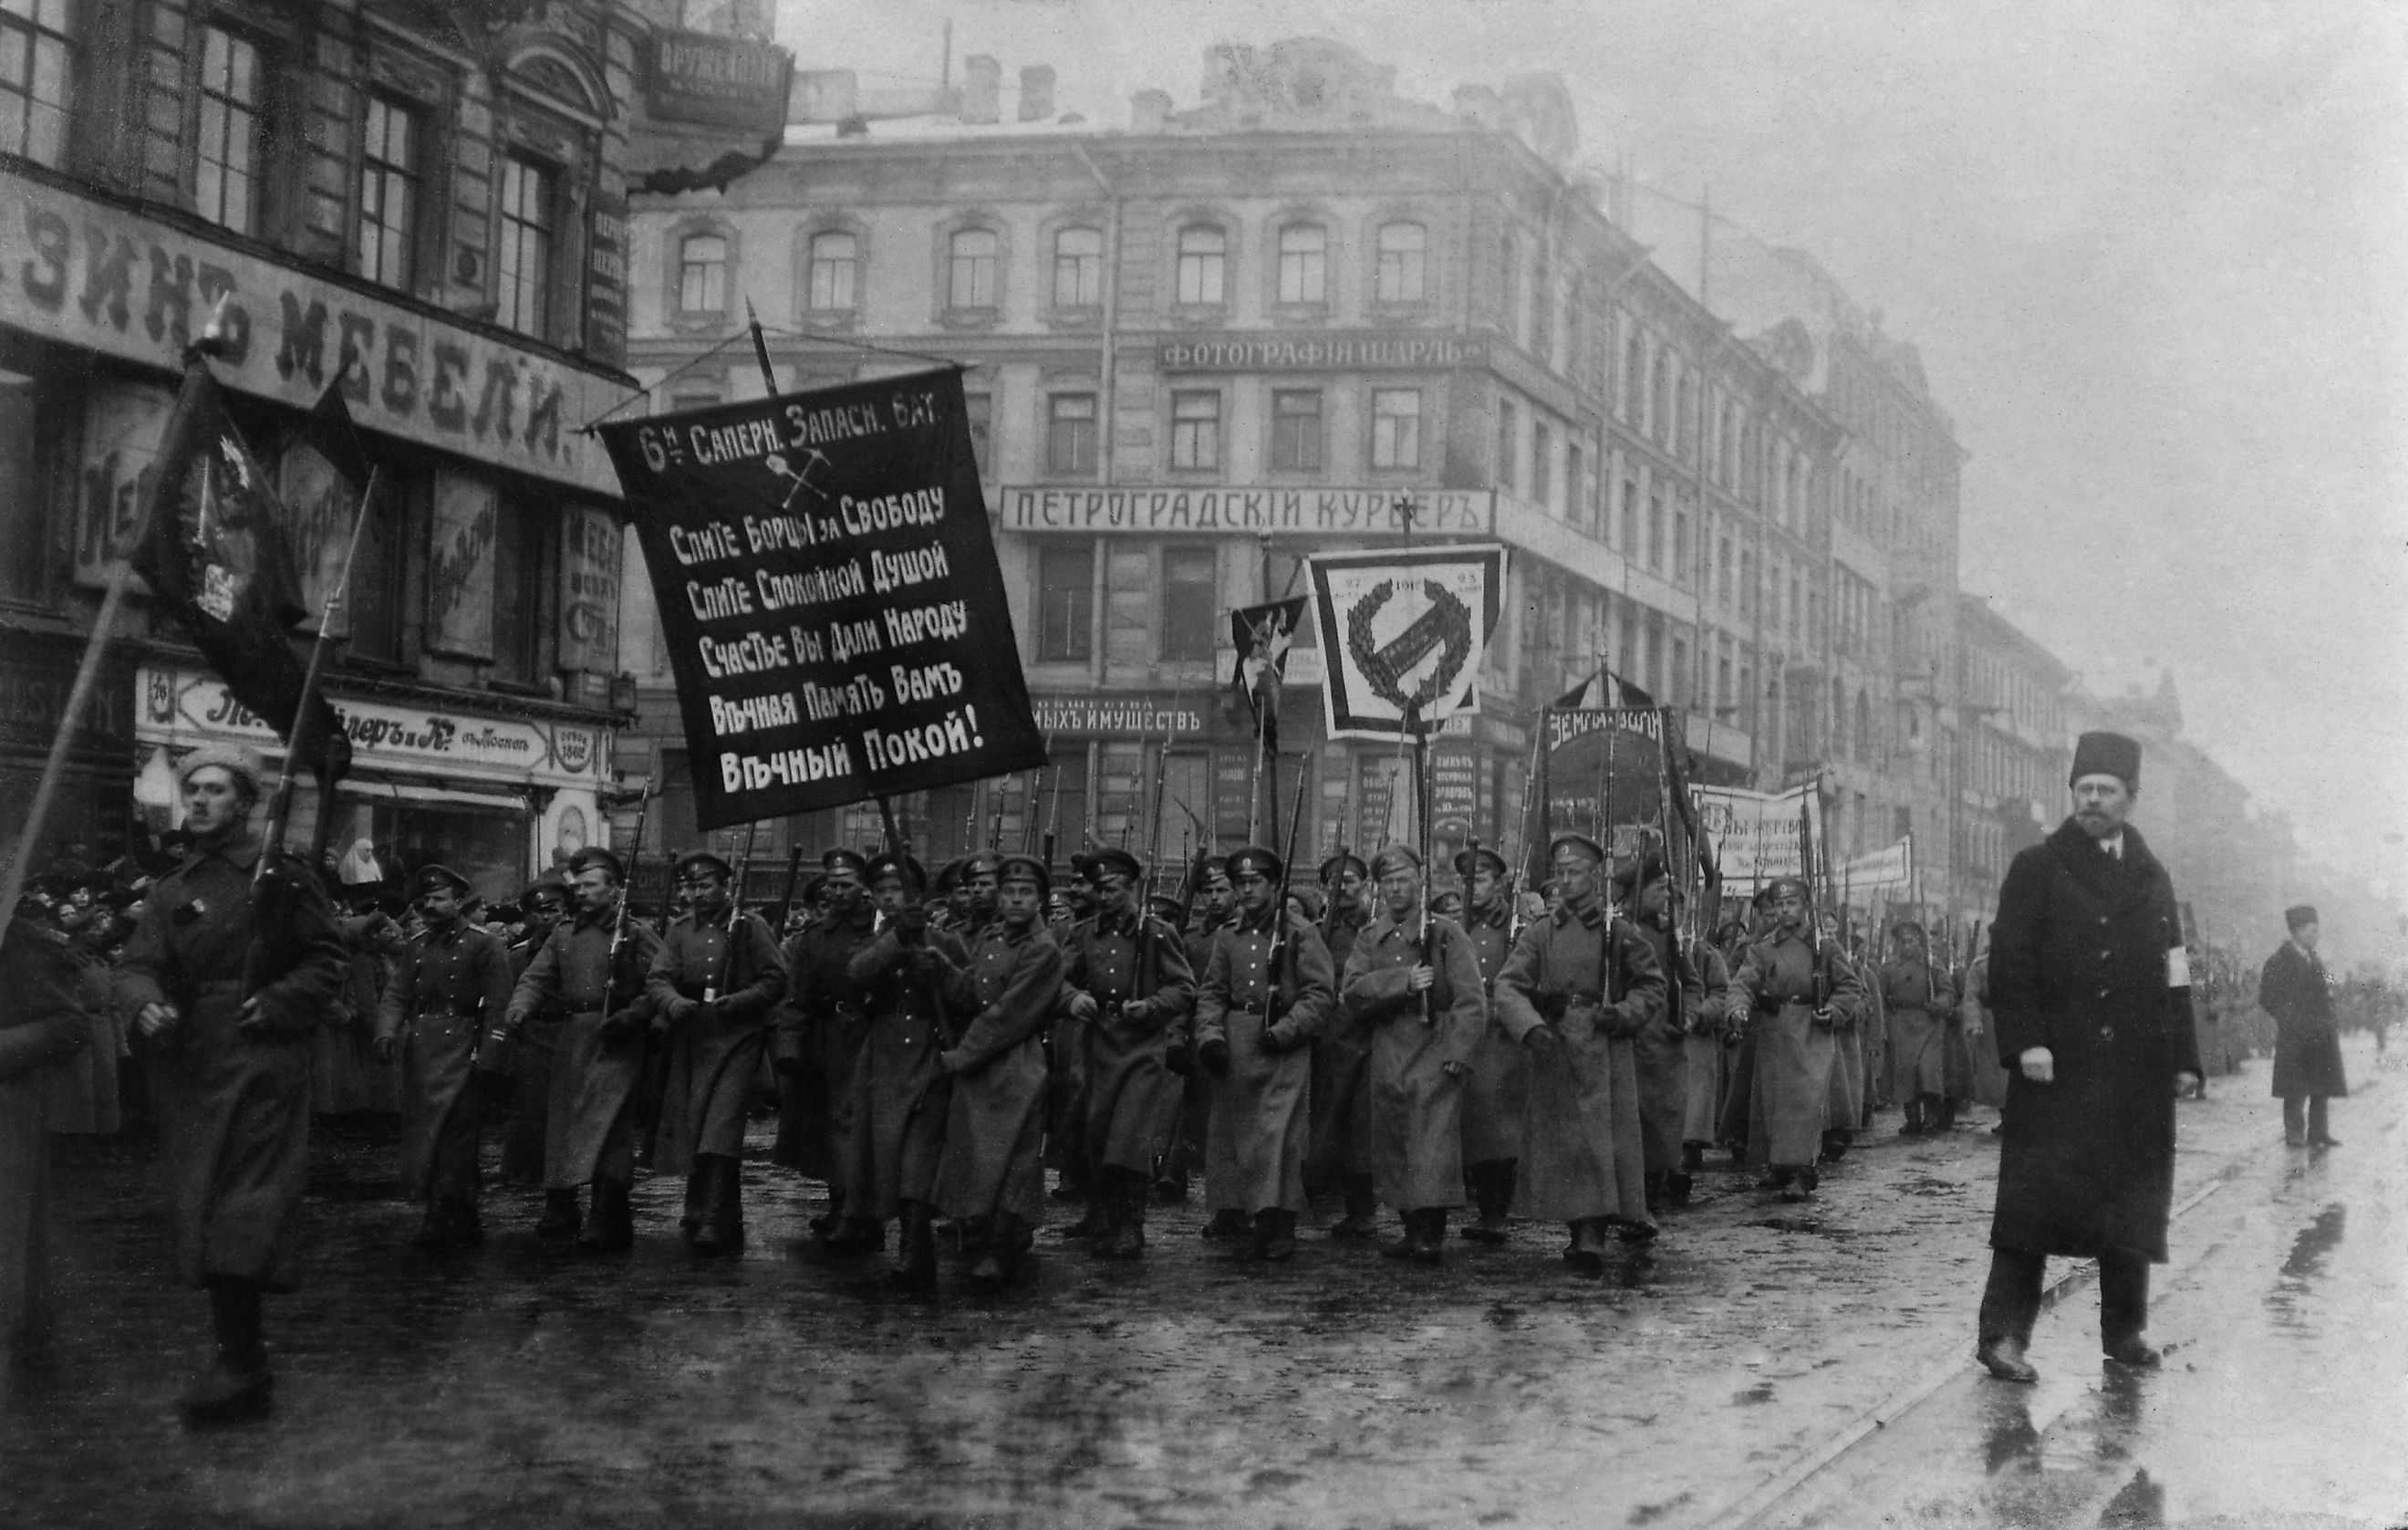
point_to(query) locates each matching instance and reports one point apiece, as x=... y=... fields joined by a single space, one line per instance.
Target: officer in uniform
x=896 y=1125
x=448 y=989
x=991 y=1174
x=541 y=907
x=1128 y=990
x=227 y=976
x=591 y=972
x=1412 y=987
x=818 y=1038
x=1497 y=1092
x=1917 y=999
x=1801 y=992
x=1577 y=989
x=1342 y=1135
x=714 y=984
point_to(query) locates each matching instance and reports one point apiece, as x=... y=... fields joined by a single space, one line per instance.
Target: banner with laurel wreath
x=1405 y=630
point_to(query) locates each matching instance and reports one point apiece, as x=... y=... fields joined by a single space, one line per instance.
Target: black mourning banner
x=827 y=584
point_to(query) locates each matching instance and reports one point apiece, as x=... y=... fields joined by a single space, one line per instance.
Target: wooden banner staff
x=1415 y=725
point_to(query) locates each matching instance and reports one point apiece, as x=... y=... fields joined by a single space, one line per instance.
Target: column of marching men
x=1555 y=1054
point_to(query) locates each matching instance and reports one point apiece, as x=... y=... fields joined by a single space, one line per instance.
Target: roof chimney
x=982 y=90
x=1036 y=92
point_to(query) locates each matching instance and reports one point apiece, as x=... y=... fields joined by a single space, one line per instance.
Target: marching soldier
x=1497 y=1093
x=1800 y=992
x=819 y=1030
x=897 y=1123
x=714 y=983
x=591 y=972
x=1845 y=1100
x=991 y=1174
x=1216 y=906
x=1917 y=999
x=1421 y=1005
x=226 y=976
x=1254 y=1017
x=1577 y=989
x=448 y=989
x=1342 y=1120
x=1128 y=987
x=1660 y=1052
x=541 y=907
x=1179 y=1139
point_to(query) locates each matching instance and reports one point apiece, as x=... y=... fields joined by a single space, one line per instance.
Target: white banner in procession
x=1889 y=870
x=1404 y=627
x=187 y=708
x=1751 y=836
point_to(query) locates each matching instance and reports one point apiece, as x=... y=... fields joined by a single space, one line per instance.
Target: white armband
x=2177 y=967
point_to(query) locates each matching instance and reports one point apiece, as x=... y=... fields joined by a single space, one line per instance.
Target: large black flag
x=1263 y=636
x=214 y=551
x=828 y=586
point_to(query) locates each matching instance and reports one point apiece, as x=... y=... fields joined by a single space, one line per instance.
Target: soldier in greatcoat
x=991 y=1174
x=591 y=971
x=2293 y=988
x=1710 y=1049
x=712 y=985
x=1801 y=992
x=1341 y=1155
x=901 y=1092
x=2090 y=996
x=1126 y=984
x=818 y=1038
x=1411 y=989
x=1660 y=1052
x=448 y=989
x=227 y=976
x=1917 y=999
x=541 y=907
x=1577 y=989
x=1844 y=1103
x=1497 y=1092
x=1267 y=991
x=42 y=1028
x=1180 y=1137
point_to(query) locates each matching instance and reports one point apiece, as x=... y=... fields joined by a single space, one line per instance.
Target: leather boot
x=1128 y=1233
x=721 y=1230
x=1492 y=1191
x=2004 y=1359
x=999 y=1266
x=560 y=1220
x=1362 y=1210
x=612 y=1227
x=1226 y=1224
x=1103 y=1214
x=237 y=1384
x=1275 y=1234
x=1409 y=1237
x=917 y=1249
x=1677 y=1185
x=857 y=1236
x=1430 y=1246
x=1914 y=1127
x=1586 y=1256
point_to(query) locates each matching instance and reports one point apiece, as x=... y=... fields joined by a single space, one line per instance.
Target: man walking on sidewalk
x=2294 y=989
x=2090 y=989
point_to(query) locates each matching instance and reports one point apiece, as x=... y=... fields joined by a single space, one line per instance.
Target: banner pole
x=886 y=816
x=761 y=350
x=280 y=813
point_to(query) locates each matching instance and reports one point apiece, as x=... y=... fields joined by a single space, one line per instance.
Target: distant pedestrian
x=2295 y=989
x=2090 y=1001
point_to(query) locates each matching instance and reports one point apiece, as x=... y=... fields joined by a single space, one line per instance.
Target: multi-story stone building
x=1304 y=313
x=2015 y=741
x=426 y=201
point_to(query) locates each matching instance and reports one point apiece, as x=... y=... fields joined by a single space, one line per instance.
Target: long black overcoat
x=2292 y=987
x=2078 y=965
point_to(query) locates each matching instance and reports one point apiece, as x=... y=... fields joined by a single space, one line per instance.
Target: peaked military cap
x=551 y=883
x=244 y=763
x=595 y=855
x=1109 y=859
x=1169 y=910
x=900 y=864
x=839 y=859
x=1468 y=862
x=1256 y=860
x=1395 y=858
x=434 y=875
x=981 y=863
x=1580 y=842
x=706 y=860
x=1335 y=867
x=1019 y=868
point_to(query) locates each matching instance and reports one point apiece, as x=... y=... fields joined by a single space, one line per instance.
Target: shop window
x=1397 y=427
x=36 y=75
x=1296 y=430
x=1203 y=266
x=1195 y=430
x=971 y=268
x=520 y=585
x=23 y=554
x=1078 y=267
x=231 y=145
x=835 y=269
x=1402 y=276
x=1066 y=600
x=702 y=274
x=1190 y=602
x=390 y=193
x=380 y=574
x=1071 y=433
x=527 y=237
x=978 y=408
x=1304 y=264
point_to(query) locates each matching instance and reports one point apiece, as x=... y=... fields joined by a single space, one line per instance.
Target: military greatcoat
x=715 y=981
x=532 y=1052
x=1660 y=1055
x=443 y=994
x=1416 y=1102
x=1261 y=1122
x=1135 y=968
x=992 y=1161
x=1791 y=1088
x=1342 y=1124
x=42 y=1027
x=1497 y=1093
x=1582 y=1156
x=588 y=1124
x=1707 y=1043
x=1918 y=1001
x=900 y=1096
x=818 y=1030
x=234 y=1105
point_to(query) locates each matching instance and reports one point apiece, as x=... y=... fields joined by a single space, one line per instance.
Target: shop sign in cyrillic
x=589 y=591
x=1119 y=716
x=1344 y=351
x=1250 y=511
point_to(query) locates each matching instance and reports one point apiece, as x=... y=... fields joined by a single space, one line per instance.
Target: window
x=1509 y=442
x=227 y=170
x=1680 y=546
x=524 y=259
x=1066 y=599
x=1508 y=277
x=1630 y=542
x=1403 y=268
x=1655 y=533
x=702 y=274
x=24 y=573
x=1659 y=405
x=35 y=75
x=1190 y=603
x=1723 y=573
x=1296 y=430
x=969 y=280
x=1542 y=464
x=373 y=602
x=519 y=589
x=696 y=396
x=1071 y=433
x=1195 y=430
x=1202 y=264
x=1395 y=427
x=835 y=265
x=388 y=193
x=1634 y=381
x=980 y=409
x=1078 y=267
x=1304 y=264
x=1573 y=483
x=1680 y=692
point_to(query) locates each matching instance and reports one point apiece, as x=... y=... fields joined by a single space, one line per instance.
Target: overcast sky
x=2153 y=255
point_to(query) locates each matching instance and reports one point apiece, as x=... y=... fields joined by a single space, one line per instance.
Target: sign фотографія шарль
x=1404 y=629
x=828 y=588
